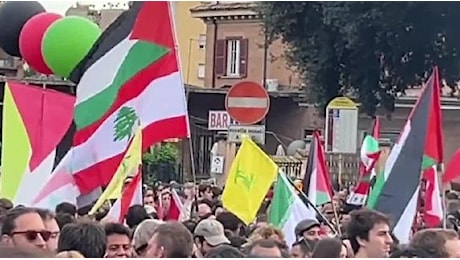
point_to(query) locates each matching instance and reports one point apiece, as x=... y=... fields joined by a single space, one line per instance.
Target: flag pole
x=310 y=204
x=443 y=196
x=194 y=208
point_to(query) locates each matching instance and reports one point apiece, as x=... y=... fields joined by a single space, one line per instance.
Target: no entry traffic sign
x=247 y=102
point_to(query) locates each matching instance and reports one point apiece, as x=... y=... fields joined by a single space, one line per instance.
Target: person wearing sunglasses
x=52 y=226
x=24 y=227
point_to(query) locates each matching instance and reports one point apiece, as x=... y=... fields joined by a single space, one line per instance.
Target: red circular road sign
x=247 y=102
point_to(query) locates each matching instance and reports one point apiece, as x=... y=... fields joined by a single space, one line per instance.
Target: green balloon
x=66 y=42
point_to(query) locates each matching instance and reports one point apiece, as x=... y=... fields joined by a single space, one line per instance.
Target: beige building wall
x=191 y=40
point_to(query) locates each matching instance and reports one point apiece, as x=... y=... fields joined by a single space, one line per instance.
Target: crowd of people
x=206 y=230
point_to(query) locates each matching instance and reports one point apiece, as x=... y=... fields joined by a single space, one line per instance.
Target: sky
x=61 y=7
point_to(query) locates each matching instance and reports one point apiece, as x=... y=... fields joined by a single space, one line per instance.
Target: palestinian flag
x=131 y=196
x=287 y=208
x=35 y=121
x=397 y=193
x=130 y=77
x=370 y=153
x=316 y=182
x=433 y=157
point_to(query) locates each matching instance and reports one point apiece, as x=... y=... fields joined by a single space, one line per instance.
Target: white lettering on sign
x=256 y=132
x=219 y=120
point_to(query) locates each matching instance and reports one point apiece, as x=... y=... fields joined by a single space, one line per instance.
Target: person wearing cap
x=209 y=234
x=142 y=234
x=309 y=229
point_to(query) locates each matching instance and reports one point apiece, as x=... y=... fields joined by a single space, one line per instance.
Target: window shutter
x=243 y=58
x=220 y=59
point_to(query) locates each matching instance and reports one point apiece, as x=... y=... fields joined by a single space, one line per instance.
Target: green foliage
x=371 y=51
x=124 y=123
x=162 y=158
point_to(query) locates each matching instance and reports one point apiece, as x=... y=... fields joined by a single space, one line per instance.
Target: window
x=202 y=41
x=201 y=69
x=231 y=58
x=7 y=63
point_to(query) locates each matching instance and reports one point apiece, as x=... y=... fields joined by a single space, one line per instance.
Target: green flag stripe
x=371 y=144
x=282 y=201
x=141 y=55
x=427 y=162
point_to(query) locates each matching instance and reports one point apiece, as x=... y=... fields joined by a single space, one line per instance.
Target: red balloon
x=30 y=40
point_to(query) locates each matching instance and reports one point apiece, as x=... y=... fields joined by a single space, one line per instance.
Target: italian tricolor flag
x=130 y=77
x=418 y=150
x=287 y=209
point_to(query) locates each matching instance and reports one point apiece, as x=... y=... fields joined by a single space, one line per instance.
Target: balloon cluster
x=48 y=42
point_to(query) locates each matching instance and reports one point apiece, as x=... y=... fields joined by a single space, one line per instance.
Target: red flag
x=131 y=196
x=175 y=206
x=452 y=171
x=433 y=155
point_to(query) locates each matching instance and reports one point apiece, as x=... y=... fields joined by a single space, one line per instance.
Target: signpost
x=247 y=102
x=219 y=120
x=256 y=132
x=341 y=129
x=341 y=126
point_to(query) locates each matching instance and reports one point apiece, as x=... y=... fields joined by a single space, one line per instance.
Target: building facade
x=237 y=48
x=235 y=52
x=191 y=41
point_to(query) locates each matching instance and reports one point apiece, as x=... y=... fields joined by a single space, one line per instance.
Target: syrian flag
x=370 y=153
x=130 y=76
x=316 y=182
x=396 y=194
x=132 y=195
x=287 y=209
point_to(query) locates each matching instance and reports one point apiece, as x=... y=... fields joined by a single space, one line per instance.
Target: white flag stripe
x=33 y=182
x=402 y=229
x=160 y=92
x=103 y=73
x=247 y=102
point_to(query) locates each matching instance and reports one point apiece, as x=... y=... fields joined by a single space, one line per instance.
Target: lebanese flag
x=433 y=204
x=131 y=196
x=131 y=75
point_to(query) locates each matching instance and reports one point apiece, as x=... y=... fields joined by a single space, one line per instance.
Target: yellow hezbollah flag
x=250 y=177
x=130 y=163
